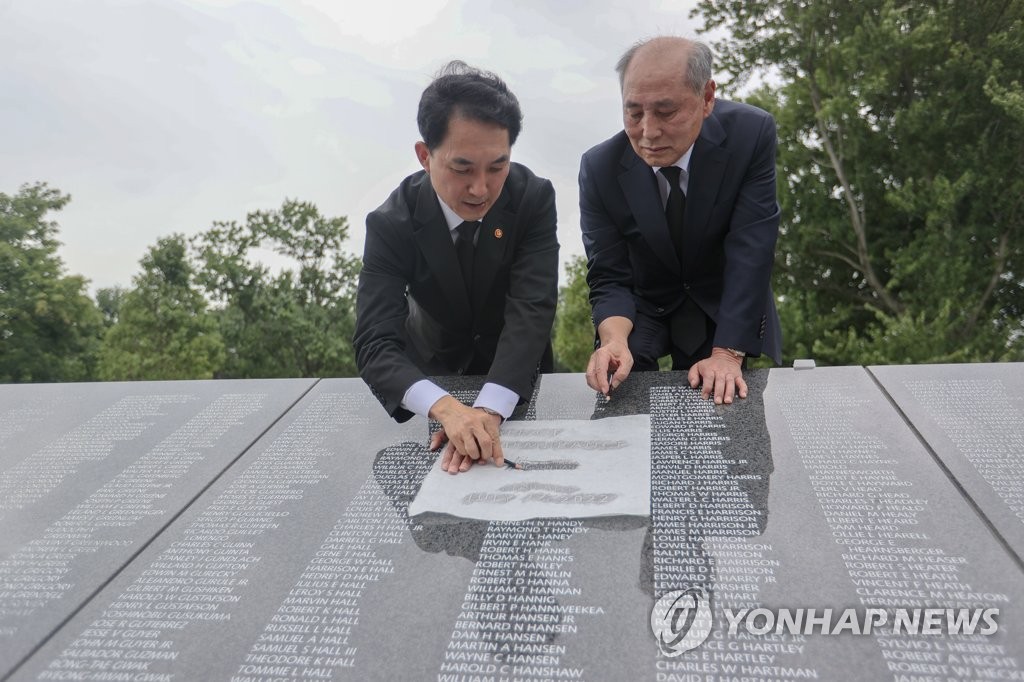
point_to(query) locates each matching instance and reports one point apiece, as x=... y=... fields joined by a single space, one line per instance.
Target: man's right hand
x=613 y=357
x=473 y=435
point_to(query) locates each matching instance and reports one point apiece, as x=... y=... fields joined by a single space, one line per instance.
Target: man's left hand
x=720 y=375
x=483 y=442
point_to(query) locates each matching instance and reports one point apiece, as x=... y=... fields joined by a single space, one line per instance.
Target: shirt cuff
x=498 y=398
x=421 y=396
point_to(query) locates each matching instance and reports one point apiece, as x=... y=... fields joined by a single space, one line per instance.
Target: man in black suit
x=460 y=270
x=680 y=219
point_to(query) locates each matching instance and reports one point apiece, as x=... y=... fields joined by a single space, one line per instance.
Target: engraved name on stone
x=42 y=570
x=876 y=516
x=199 y=578
x=41 y=472
x=989 y=434
x=705 y=529
x=522 y=607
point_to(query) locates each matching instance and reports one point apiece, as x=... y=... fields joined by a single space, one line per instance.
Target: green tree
x=108 y=300
x=901 y=138
x=574 y=327
x=163 y=328
x=298 y=322
x=49 y=328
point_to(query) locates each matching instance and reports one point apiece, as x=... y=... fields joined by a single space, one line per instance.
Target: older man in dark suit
x=680 y=219
x=460 y=270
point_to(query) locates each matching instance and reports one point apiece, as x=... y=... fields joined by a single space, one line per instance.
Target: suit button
x=476 y=338
x=661 y=310
x=686 y=286
x=461 y=371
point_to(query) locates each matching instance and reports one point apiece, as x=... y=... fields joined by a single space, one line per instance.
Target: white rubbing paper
x=571 y=468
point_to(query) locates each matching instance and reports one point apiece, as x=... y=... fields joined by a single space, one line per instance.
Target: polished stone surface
x=90 y=473
x=860 y=516
x=972 y=417
x=301 y=561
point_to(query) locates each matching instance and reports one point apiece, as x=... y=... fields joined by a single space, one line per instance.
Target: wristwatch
x=490 y=411
x=738 y=354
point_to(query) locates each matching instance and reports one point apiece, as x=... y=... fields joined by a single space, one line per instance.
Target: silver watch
x=738 y=354
x=490 y=411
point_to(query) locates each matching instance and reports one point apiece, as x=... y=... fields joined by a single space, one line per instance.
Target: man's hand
x=613 y=357
x=721 y=374
x=472 y=434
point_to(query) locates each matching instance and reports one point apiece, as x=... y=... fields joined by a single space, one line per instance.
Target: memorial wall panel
x=301 y=562
x=862 y=517
x=972 y=417
x=89 y=473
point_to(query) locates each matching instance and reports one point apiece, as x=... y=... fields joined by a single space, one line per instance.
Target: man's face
x=662 y=115
x=468 y=169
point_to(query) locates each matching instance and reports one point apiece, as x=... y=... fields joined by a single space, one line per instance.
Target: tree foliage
x=201 y=309
x=574 y=327
x=901 y=138
x=298 y=322
x=108 y=300
x=163 y=328
x=49 y=328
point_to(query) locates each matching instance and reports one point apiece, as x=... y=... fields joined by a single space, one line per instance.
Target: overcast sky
x=162 y=116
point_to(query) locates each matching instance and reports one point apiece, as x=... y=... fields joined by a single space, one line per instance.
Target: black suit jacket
x=731 y=225
x=413 y=316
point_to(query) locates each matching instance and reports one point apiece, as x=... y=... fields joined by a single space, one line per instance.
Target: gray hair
x=698 y=64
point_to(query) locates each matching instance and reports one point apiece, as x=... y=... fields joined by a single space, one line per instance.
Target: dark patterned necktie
x=464 y=249
x=688 y=323
x=675 y=208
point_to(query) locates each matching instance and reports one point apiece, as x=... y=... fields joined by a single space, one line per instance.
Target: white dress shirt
x=684 y=176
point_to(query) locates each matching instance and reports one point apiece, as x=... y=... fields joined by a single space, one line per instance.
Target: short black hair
x=460 y=89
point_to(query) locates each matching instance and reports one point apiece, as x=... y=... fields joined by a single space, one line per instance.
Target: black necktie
x=464 y=248
x=688 y=323
x=675 y=208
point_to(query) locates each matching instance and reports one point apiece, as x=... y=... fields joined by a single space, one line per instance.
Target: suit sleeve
x=532 y=294
x=381 y=310
x=609 y=272
x=750 y=250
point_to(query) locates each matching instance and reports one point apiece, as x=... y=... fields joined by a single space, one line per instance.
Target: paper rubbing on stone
x=571 y=468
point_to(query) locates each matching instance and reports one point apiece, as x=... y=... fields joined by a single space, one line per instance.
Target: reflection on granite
x=710 y=472
x=711 y=469
x=523 y=570
x=399 y=470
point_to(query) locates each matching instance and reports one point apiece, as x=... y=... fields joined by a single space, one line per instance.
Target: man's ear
x=709 y=97
x=423 y=155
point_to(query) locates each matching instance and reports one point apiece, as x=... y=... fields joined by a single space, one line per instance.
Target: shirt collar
x=683 y=162
x=450 y=216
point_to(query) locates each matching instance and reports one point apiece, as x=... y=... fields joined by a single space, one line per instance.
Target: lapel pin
x=498 y=233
